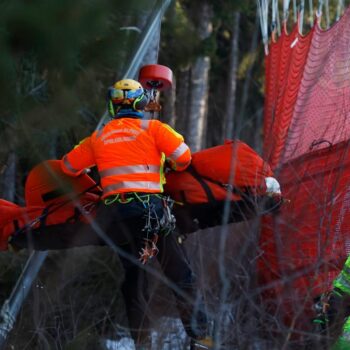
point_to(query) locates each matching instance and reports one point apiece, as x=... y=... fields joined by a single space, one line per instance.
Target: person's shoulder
x=160 y=124
x=155 y=122
x=152 y=125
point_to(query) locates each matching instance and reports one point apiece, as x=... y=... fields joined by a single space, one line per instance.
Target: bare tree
x=196 y=129
x=169 y=110
x=182 y=100
x=232 y=82
x=255 y=119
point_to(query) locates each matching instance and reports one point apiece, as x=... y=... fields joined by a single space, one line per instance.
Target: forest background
x=57 y=60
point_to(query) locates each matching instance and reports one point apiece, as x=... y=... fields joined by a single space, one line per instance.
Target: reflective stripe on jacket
x=342 y=281
x=129 y=154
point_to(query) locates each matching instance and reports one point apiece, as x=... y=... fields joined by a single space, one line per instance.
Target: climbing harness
x=168 y=221
x=155 y=224
x=122 y=198
x=330 y=312
x=321 y=308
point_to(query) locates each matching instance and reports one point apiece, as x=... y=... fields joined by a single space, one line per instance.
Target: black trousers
x=124 y=225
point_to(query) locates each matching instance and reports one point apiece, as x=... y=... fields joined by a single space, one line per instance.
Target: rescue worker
x=130 y=154
x=334 y=310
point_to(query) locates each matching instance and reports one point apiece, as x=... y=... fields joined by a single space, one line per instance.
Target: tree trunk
x=232 y=83
x=246 y=87
x=182 y=101
x=198 y=105
x=151 y=56
x=168 y=114
x=196 y=130
x=9 y=178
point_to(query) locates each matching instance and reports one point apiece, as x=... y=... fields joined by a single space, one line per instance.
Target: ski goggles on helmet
x=118 y=95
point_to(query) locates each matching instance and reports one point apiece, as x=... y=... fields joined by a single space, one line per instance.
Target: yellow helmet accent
x=126 y=96
x=127 y=84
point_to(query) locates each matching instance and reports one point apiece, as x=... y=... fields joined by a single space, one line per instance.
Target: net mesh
x=306 y=141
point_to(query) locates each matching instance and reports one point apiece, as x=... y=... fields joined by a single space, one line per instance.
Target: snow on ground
x=122 y=344
x=171 y=336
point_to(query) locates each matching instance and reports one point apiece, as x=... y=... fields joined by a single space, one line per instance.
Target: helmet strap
x=111 y=109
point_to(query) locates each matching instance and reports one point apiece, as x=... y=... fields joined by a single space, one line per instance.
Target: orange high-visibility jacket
x=129 y=154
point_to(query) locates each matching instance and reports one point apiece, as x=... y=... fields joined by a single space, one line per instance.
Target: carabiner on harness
x=150 y=249
x=168 y=221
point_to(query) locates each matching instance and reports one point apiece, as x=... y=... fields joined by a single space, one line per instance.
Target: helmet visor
x=118 y=95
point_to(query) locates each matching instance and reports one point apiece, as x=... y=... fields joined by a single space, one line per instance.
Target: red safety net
x=284 y=70
x=307 y=134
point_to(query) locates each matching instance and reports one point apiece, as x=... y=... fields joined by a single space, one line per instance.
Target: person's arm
x=172 y=144
x=79 y=159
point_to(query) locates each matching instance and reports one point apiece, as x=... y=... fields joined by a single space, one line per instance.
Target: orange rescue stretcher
x=232 y=173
